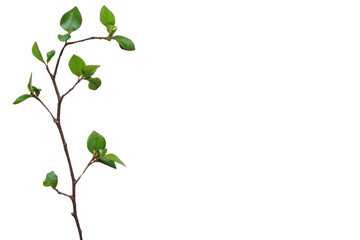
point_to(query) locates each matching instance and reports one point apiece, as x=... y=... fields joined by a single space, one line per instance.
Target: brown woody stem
x=58 y=124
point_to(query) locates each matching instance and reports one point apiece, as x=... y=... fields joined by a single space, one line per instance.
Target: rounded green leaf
x=106 y=17
x=64 y=38
x=94 y=83
x=114 y=158
x=76 y=65
x=107 y=162
x=49 y=55
x=71 y=20
x=96 y=142
x=51 y=180
x=21 y=98
x=89 y=70
x=124 y=43
x=36 y=52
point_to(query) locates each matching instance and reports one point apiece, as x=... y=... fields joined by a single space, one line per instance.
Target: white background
x=238 y=120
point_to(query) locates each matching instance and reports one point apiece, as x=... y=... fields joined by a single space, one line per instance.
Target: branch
x=37 y=98
x=69 y=43
x=89 y=164
x=61 y=193
x=52 y=76
x=71 y=88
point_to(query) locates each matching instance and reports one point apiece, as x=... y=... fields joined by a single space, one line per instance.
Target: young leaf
x=76 y=65
x=103 y=152
x=107 y=162
x=96 y=142
x=49 y=55
x=51 y=180
x=29 y=86
x=124 y=43
x=36 y=90
x=21 y=98
x=89 y=70
x=94 y=83
x=71 y=20
x=106 y=17
x=64 y=38
x=114 y=158
x=36 y=52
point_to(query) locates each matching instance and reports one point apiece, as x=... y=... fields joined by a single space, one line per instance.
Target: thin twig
x=89 y=164
x=61 y=193
x=71 y=88
x=37 y=98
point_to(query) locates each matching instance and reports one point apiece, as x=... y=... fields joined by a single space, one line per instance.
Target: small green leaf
x=36 y=52
x=89 y=70
x=124 y=43
x=103 y=152
x=49 y=55
x=76 y=65
x=36 y=90
x=106 y=17
x=96 y=142
x=64 y=38
x=21 y=98
x=71 y=20
x=114 y=158
x=51 y=180
x=94 y=83
x=107 y=162
x=29 y=86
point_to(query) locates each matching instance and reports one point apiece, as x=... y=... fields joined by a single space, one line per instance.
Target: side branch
x=69 y=43
x=37 y=98
x=71 y=88
x=61 y=193
x=89 y=164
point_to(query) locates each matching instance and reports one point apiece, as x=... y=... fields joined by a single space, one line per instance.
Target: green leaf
x=36 y=52
x=29 y=86
x=49 y=55
x=114 y=158
x=89 y=70
x=51 y=180
x=94 y=83
x=107 y=162
x=96 y=142
x=124 y=43
x=76 y=65
x=21 y=98
x=36 y=90
x=106 y=17
x=103 y=152
x=71 y=20
x=64 y=38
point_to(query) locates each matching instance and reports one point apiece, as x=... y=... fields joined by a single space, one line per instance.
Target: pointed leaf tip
x=96 y=142
x=76 y=65
x=125 y=43
x=107 y=17
x=71 y=20
x=36 y=52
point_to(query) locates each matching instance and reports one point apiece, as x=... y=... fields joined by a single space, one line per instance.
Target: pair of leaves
x=51 y=180
x=36 y=52
x=79 y=68
x=96 y=145
x=107 y=18
x=70 y=22
x=32 y=89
